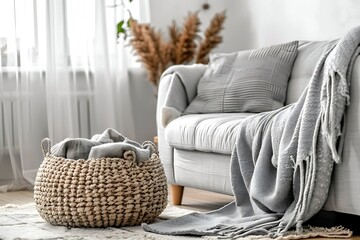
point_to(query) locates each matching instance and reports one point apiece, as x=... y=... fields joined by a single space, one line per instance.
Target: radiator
x=9 y=119
x=9 y=135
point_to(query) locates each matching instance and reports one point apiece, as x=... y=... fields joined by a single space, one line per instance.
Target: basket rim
x=46 y=146
x=153 y=158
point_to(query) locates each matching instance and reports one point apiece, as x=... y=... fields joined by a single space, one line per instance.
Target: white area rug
x=24 y=223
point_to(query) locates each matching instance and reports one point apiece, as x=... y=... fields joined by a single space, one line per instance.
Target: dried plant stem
x=145 y=43
x=186 y=46
x=174 y=39
x=212 y=38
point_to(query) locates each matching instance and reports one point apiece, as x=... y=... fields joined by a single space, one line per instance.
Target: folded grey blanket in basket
x=108 y=144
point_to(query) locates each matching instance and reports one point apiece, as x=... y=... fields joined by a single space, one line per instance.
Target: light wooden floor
x=18 y=198
x=193 y=199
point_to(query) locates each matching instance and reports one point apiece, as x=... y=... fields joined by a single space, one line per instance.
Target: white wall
x=275 y=21
x=143 y=103
x=256 y=23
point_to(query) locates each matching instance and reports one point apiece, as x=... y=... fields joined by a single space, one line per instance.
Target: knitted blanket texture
x=282 y=163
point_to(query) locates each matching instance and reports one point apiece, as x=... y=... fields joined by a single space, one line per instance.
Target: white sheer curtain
x=63 y=74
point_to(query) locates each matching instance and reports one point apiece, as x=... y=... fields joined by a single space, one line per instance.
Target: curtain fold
x=63 y=74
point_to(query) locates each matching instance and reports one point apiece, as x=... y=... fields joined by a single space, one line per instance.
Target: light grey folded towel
x=108 y=144
x=117 y=150
x=73 y=148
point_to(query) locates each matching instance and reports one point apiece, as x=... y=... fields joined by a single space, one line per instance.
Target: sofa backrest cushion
x=309 y=53
x=245 y=81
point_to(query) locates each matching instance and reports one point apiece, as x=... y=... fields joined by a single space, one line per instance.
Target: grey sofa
x=195 y=149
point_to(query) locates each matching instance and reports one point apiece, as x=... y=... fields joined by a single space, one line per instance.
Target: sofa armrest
x=178 y=87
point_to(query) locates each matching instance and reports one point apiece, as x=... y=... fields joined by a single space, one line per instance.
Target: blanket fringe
x=233 y=232
x=308 y=232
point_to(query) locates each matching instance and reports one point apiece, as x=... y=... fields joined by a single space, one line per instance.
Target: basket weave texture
x=104 y=192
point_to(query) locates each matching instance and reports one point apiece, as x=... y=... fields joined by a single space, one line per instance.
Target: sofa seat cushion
x=205 y=132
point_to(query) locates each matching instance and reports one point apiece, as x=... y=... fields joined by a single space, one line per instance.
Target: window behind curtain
x=22 y=26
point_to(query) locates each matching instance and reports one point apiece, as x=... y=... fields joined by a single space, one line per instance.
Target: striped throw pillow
x=245 y=81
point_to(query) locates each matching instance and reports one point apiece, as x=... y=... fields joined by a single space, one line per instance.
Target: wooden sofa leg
x=177 y=194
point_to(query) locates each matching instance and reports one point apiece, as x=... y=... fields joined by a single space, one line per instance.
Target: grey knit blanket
x=282 y=163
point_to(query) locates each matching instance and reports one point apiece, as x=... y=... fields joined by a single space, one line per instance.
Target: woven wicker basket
x=105 y=192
